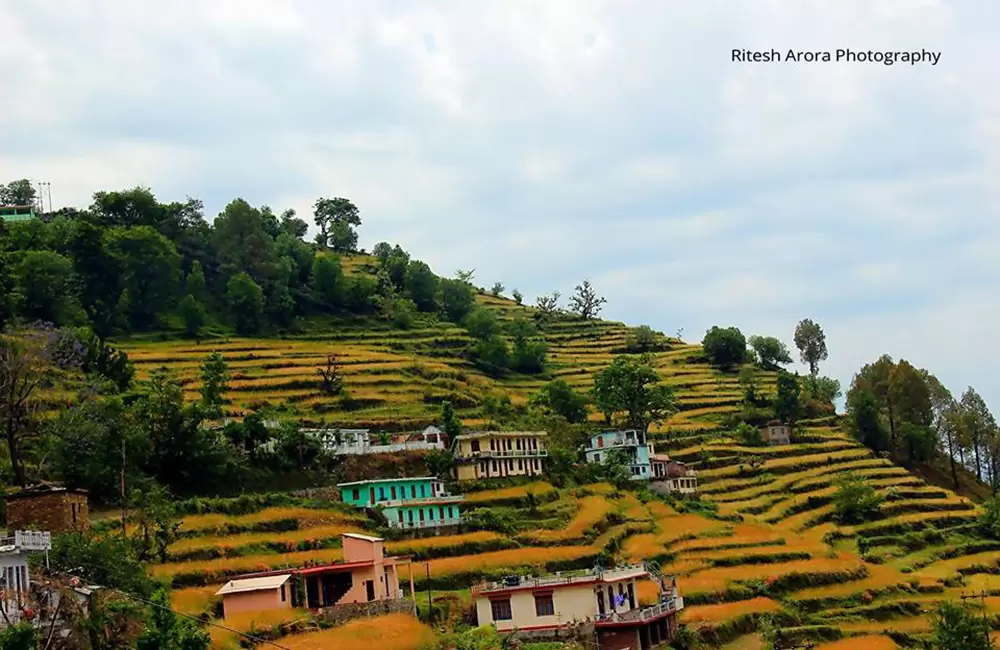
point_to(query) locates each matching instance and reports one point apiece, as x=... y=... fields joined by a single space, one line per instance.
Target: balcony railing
x=444 y=498
x=643 y=614
x=502 y=453
x=430 y=523
x=29 y=540
x=516 y=582
x=617 y=442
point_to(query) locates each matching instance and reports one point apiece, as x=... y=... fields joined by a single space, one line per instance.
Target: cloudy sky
x=542 y=143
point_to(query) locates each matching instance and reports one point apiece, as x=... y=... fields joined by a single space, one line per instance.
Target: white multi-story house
x=15 y=579
x=345 y=442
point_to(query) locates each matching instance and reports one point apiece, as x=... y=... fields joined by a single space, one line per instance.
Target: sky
x=544 y=143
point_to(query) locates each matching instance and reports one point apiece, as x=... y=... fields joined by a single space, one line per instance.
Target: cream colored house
x=492 y=454
x=778 y=433
x=607 y=599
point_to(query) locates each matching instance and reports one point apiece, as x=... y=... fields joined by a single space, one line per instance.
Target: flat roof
x=41 y=490
x=253 y=584
x=487 y=434
x=387 y=480
x=367 y=538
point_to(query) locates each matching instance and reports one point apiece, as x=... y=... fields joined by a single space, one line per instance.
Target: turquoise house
x=632 y=442
x=406 y=502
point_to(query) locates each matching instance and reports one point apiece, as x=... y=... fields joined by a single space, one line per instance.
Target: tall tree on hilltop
x=811 y=342
x=337 y=218
x=18 y=192
x=585 y=302
x=724 y=346
x=770 y=352
x=631 y=385
x=979 y=426
x=786 y=403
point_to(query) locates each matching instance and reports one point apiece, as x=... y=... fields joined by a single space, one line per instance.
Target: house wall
x=384 y=492
x=431 y=513
x=501 y=467
x=361 y=550
x=52 y=511
x=386 y=584
x=618 y=638
x=569 y=603
x=255 y=601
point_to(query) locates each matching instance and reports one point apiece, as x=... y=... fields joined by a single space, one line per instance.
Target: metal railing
x=643 y=614
x=502 y=453
x=430 y=523
x=549 y=581
x=29 y=540
x=444 y=498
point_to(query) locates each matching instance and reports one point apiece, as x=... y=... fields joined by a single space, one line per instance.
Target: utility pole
x=430 y=607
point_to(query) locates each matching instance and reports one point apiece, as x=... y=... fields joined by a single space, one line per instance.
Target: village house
x=492 y=454
x=778 y=433
x=672 y=476
x=15 y=579
x=48 y=507
x=16 y=213
x=367 y=581
x=632 y=442
x=407 y=503
x=602 y=602
x=344 y=442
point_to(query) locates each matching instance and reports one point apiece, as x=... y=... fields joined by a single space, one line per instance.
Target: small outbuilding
x=52 y=508
x=256 y=594
x=778 y=433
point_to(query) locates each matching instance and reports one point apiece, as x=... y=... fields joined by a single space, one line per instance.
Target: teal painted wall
x=361 y=495
x=431 y=513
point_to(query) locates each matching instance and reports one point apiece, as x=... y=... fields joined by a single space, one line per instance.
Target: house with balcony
x=365 y=583
x=672 y=476
x=17 y=213
x=346 y=442
x=407 y=503
x=497 y=454
x=632 y=443
x=602 y=603
x=15 y=579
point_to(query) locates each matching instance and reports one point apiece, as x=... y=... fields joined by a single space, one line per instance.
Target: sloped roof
x=253 y=584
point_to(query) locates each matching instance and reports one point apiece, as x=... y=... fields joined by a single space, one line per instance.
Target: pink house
x=365 y=575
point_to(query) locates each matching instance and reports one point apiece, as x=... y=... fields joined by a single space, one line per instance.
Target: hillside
x=397 y=378
x=771 y=548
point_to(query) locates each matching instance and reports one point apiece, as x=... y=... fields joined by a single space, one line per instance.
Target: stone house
x=48 y=507
x=778 y=433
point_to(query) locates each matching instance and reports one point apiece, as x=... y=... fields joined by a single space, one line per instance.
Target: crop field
x=763 y=541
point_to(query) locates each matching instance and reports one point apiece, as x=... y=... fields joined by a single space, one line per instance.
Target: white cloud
x=542 y=143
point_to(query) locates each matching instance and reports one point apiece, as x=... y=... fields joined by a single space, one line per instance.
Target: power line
x=177 y=613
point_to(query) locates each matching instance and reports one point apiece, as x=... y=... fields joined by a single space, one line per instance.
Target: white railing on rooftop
x=430 y=523
x=29 y=540
x=548 y=581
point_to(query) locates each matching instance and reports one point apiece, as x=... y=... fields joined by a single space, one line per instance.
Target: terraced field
x=769 y=549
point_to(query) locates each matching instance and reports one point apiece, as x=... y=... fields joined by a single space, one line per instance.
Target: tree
x=18 y=192
x=863 y=410
x=811 y=342
x=749 y=385
x=29 y=359
x=631 y=385
x=457 y=299
x=945 y=421
x=214 y=384
x=529 y=350
x=482 y=324
x=157 y=522
x=749 y=435
x=617 y=468
x=421 y=285
x=193 y=314
x=517 y=296
x=824 y=389
x=336 y=219
x=45 y=282
x=786 y=402
x=327 y=280
x=402 y=312
x=292 y=225
x=246 y=304
x=770 y=352
x=492 y=354
x=560 y=398
x=104 y=361
x=194 y=285
x=855 y=500
x=497 y=410
x=989 y=519
x=465 y=276
x=150 y=272
x=166 y=631
x=497 y=290
x=957 y=626
x=644 y=339
x=920 y=442
x=724 y=347
x=450 y=424
x=547 y=307
x=331 y=378
x=243 y=244
x=978 y=426
x=585 y=302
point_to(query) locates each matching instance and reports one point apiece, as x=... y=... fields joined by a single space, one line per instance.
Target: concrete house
x=493 y=454
x=632 y=442
x=365 y=577
x=672 y=476
x=48 y=507
x=407 y=503
x=601 y=603
x=778 y=433
x=15 y=579
x=347 y=442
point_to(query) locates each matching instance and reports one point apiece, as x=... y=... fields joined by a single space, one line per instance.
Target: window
x=413 y=491
x=410 y=516
x=450 y=513
x=597 y=458
x=430 y=514
x=440 y=513
x=421 y=513
x=381 y=494
x=283 y=593
x=501 y=610
x=494 y=466
x=400 y=516
x=394 y=492
x=600 y=442
x=72 y=508
x=544 y=605
x=422 y=492
x=520 y=465
x=536 y=463
x=518 y=445
x=475 y=446
x=356 y=494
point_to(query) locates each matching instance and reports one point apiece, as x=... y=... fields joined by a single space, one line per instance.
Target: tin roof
x=253 y=584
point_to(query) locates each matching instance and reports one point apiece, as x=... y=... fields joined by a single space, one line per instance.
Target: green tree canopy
x=724 y=347
x=631 y=386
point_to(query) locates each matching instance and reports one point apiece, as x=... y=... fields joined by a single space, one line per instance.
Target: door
x=371 y=496
x=600 y=603
x=370 y=590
